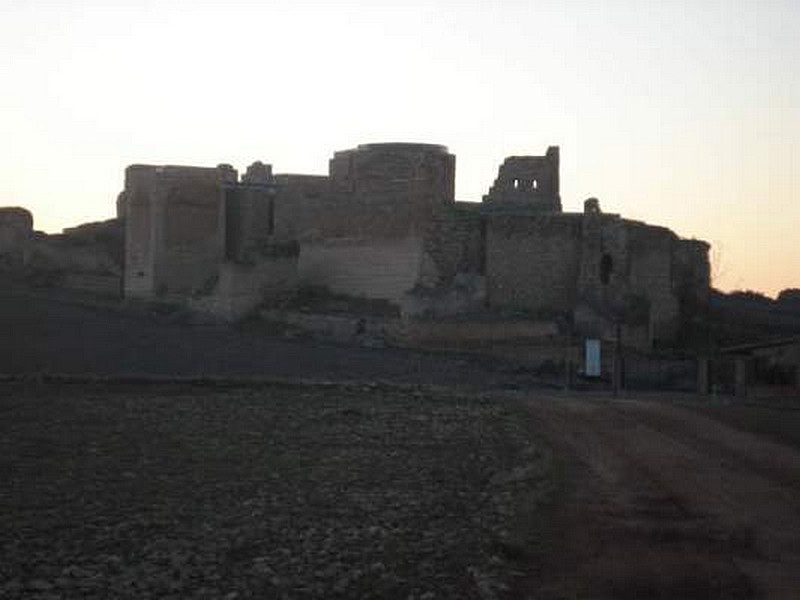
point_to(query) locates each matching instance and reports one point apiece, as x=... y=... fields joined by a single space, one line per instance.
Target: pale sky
x=683 y=113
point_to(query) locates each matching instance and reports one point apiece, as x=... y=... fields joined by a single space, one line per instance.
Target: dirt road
x=663 y=502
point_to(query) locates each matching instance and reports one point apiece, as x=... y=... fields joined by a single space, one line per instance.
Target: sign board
x=592 y=367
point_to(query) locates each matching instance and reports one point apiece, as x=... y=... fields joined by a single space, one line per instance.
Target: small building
x=765 y=367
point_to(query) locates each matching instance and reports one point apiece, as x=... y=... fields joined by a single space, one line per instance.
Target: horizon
x=677 y=115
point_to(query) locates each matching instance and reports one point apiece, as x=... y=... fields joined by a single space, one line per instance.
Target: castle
x=384 y=224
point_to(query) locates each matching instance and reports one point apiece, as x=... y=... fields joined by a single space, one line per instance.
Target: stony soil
x=363 y=490
x=356 y=491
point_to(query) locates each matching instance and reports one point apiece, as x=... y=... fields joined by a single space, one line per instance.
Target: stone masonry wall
x=692 y=271
x=249 y=221
x=532 y=262
x=140 y=251
x=651 y=276
x=384 y=269
x=638 y=274
x=531 y=181
x=418 y=173
x=375 y=191
x=86 y=258
x=384 y=223
x=16 y=231
x=304 y=207
x=175 y=238
x=361 y=228
x=240 y=289
x=455 y=244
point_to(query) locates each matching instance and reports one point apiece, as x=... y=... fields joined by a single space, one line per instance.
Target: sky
x=683 y=113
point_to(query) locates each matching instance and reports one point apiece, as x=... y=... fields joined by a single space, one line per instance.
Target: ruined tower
x=529 y=182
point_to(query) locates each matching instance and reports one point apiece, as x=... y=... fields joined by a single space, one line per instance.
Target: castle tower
x=529 y=182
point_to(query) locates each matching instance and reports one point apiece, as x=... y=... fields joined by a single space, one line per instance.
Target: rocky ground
x=287 y=491
x=459 y=479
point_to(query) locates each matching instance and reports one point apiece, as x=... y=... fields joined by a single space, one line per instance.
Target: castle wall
x=637 y=274
x=418 y=173
x=304 y=207
x=242 y=288
x=16 y=231
x=384 y=222
x=175 y=223
x=361 y=228
x=191 y=244
x=384 y=269
x=249 y=221
x=376 y=191
x=530 y=181
x=692 y=272
x=651 y=276
x=307 y=211
x=532 y=262
x=454 y=245
x=140 y=252
x=75 y=251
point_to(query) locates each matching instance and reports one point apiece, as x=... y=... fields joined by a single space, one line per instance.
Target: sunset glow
x=683 y=114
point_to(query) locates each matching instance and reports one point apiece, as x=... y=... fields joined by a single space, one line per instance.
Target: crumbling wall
x=137 y=204
x=249 y=214
x=384 y=269
x=411 y=173
x=304 y=207
x=87 y=258
x=377 y=191
x=692 y=270
x=175 y=238
x=637 y=275
x=241 y=288
x=605 y=296
x=605 y=264
x=531 y=181
x=625 y=278
x=384 y=224
x=192 y=244
x=691 y=283
x=651 y=276
x=200 y=236
x=361 y=228
x=16 y=231
x=455 y=244
x=532 y=262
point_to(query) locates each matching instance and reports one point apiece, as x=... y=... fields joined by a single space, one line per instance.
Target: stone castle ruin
x=384 y=224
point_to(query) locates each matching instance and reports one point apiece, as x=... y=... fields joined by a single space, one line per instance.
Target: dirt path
x=665 y=503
